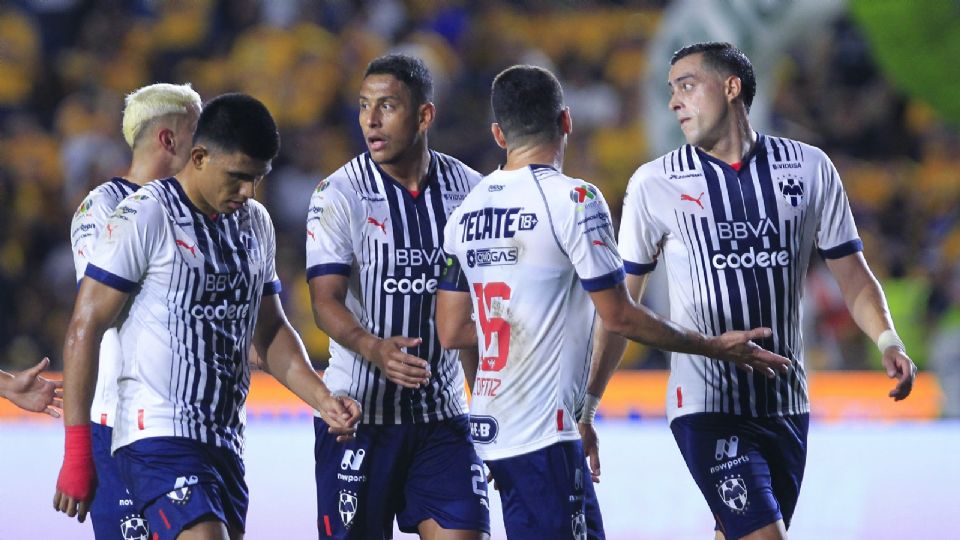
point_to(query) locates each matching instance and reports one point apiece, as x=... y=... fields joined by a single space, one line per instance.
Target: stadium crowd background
x=65 y=66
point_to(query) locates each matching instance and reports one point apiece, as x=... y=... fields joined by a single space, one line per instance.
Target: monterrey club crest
x=733 y=493
x=791 y=188
x=134 y=527
x=347 y=507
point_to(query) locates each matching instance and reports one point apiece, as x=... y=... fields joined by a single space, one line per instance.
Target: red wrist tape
x=77 y=475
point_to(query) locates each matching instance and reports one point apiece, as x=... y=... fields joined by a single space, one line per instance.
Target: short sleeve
x=127 y=243
x=641 y=234
x=329 y=232
x=88 y=220
x=587 y=236
x=837 y=232
x=271 y=283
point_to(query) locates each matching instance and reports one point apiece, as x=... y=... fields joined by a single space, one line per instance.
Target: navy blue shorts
x=176 y=482
x=748 y=469
x=112 y=512
x=547 y=494
x=413 y=471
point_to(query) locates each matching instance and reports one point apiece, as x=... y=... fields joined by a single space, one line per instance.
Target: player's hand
x=899 y=366
x=341 y=413
x=29 y=391
x=399 y=367
x=77 y=481
x=591 y=449
x=738 y=347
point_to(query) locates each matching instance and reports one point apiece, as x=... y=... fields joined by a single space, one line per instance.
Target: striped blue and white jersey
x=364 y=225
x=87 y=224
x=196 y=284
x=736 y=246
x=532 y=244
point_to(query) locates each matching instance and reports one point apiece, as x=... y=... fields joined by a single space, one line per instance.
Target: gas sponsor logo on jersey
x=498 y=256
x=491 y=223
x=484 y=429
x=742 y=246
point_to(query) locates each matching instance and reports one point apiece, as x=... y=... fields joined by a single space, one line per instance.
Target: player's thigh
x=786 y=453
x=359 y=483
x=445 y=482
x=773 y=531
x=542 y=492
x=723 y=454
x=177 y=483
x=206 y=529
x=112 y=511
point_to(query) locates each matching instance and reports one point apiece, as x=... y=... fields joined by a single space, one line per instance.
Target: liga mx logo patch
x=791 y=188
x=583 y=193
x=733 y=493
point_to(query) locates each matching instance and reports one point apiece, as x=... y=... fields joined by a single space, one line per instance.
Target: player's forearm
x=470 y=360
x=340 y=325
x=6 y=379
x=644 y=326
x=862 y=294
x=80 y=366
x=607 y=352
x=287 y=361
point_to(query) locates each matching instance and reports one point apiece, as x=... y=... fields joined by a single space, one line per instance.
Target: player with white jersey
x=374 y=256
x=535 y=250
x=158 y=124
x=735 y=215
x=184 y=268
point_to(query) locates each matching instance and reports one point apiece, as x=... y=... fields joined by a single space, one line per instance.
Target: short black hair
x=527 y=102
x=409 y=70
x=238 y=123
x=726 y=59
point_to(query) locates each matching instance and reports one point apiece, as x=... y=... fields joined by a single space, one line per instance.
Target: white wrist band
x=590 y=405
x=889 y=338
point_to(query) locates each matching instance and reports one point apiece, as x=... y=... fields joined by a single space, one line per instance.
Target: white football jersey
x=531 y=243
x=736 y=246
x=364 y=225
x=87 y=224
x=196 y=283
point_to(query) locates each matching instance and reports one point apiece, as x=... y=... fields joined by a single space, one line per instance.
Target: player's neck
x=411 y=169
x=735 y=143
x=536 y=154
x=145 y=168
x=191 y=187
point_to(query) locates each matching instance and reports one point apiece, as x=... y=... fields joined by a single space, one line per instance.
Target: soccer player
x=184 y=268
x=158 y=124
x=374 y=254
x=534 y=248
x=31 y=392
x=734 y=215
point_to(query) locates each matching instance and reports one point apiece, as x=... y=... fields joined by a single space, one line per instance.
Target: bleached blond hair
x=153 y=101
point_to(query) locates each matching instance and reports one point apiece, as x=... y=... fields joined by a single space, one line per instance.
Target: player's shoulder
x=453 y=167
x=350 y=181
x=105 y=197
x=679 y=163
x=785 y=150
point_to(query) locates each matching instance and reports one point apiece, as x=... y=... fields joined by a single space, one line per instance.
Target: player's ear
x=167 y=140
x=498 y=135
x=426 y=115
x=732 y=87
x=198 y=155
x=566 y=121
